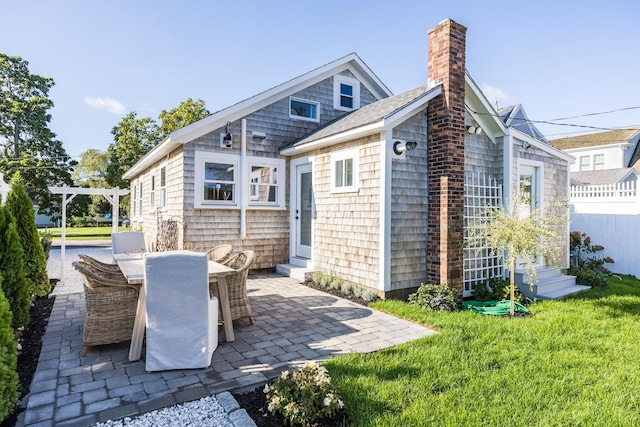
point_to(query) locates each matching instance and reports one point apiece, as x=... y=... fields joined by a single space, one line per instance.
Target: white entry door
x=529 y=183
x=303 y=211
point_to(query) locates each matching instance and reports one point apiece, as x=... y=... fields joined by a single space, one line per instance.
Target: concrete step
x=522 y=276
x=294 y=271
x=563 y=292
x=550 y=284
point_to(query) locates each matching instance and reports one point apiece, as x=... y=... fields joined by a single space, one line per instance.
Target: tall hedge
x=35 y=262
x=15 y=285
x=8 y=360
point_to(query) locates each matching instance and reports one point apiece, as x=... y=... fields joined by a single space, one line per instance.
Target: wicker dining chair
x=237 y=286
x=220 y=253
x=111 y=305
x=99 y=265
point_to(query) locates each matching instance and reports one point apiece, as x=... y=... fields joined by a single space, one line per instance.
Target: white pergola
x=68 y=193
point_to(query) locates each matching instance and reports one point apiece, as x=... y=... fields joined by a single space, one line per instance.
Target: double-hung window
x=598 y=162
x=134 y=200
x=585 y=163
x=162 y=187
x=266 y=177
x=152 y=190
x=140 y=199
x=344 y=166
x=219 y=183
x=303 y=109
x=346 y=93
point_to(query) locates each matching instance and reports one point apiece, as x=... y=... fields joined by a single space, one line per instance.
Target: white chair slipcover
x=182 y=321
x=127 y=242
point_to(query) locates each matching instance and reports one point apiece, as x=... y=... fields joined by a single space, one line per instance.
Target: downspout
x=507 y=173
x=386 y=141
x=244 y=176
x=507 y=168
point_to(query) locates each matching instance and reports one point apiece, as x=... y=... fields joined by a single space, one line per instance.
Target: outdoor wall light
x=474 y=129
x=227 y=138
x=400 y=147
x=525 y=145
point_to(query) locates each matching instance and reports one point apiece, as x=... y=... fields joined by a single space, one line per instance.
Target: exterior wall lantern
x=400 y=147
x=474 y=129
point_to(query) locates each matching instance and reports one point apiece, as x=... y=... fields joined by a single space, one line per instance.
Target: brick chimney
x=445 y=155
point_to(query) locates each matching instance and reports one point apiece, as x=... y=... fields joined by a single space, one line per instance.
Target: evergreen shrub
x=8 y=360
x=35 y=262
x=15 y=286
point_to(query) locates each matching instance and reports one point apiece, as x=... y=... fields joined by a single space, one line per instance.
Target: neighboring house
x=330 y=172
x=616 y=149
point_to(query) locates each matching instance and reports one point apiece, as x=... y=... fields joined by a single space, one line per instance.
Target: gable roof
x=601 y=177
x=514 y=116
x=612 y=137
x=369 y=119
x=351 y=62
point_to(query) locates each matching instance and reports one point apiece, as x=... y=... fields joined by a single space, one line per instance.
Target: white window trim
x=587 y=166
x=140 y=199
x=337 y=80
x=596 y=164
x=202 y=157
x=280 y=164
x=241 y=185
x=153 y=183
x=343 y=155
x=134 y=199
x=306 y=101
x=160 y=188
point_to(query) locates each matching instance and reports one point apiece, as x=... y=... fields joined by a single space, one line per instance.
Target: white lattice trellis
x=480 y=191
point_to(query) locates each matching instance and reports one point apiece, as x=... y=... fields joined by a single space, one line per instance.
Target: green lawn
x=572 y=363
x=83 y=233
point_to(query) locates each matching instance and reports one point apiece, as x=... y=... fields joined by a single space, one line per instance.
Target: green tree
x=521 y=233
x=27 y=144
x=132 y=139
x=91 y=172
x=8 y=360
x=35 y=263
x=187 y=112
x=14 y=285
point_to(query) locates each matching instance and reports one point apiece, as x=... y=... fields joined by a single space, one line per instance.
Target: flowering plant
x=304 y=396
x=435 y=297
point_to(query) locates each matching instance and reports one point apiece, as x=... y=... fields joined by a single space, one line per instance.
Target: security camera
x=400 y=147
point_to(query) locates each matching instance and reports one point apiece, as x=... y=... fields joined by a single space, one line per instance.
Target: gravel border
x=220 y=410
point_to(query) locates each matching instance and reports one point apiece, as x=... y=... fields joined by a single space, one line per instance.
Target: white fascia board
x=349 y=135
x=255 y=103
x=368 y=78
x=540 y=145
x=156 y=154
x=242 y=109
x=411 y=109
x=482 y=111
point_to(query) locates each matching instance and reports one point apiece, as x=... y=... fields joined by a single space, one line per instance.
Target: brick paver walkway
x=294 y=323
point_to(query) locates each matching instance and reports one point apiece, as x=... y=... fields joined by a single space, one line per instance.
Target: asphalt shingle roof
x=368 y=114
x=593 y=139
x=599 y=177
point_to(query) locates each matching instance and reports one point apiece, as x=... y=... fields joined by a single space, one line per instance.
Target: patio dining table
x=132 y=266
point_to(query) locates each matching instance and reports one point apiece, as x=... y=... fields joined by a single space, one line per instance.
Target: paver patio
x=294 y=323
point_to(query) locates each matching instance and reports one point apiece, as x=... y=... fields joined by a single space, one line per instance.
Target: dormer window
x=303 y=109
x=346 y=93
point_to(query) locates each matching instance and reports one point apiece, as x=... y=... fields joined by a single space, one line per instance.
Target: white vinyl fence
x=618 y=233
x=610 y=215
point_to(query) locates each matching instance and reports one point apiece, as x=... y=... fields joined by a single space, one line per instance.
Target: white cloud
x=109 y=104
x=495 y=95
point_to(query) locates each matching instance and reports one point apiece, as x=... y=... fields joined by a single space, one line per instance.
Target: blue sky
x=557 y=58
